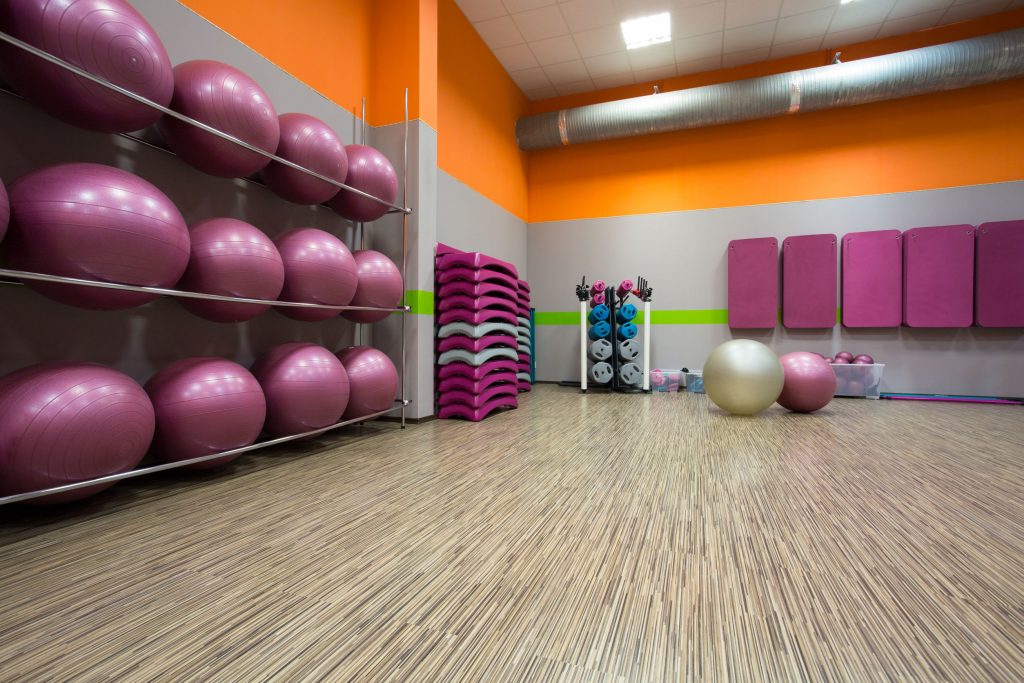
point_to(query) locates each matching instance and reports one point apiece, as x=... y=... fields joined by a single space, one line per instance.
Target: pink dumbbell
x=597 y=299
x=598 y=287
x=625 y=287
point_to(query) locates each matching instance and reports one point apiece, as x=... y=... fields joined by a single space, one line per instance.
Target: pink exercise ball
x=96 y=223
x=840 y=360
x=380 y=286
x=845 y=355
x=205 y=406
x=231 y=258
x=107 y=38
x=306 y=388
x=5 y=210
x=61 y=423
x=224 y=98
x=373 y=379
x=318 y=269
x=863 y=359
x=809 y=383
x=371 y=172
x=310 y=143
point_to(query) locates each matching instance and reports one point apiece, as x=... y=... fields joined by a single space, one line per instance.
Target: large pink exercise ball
x=373 y=380
x=62 y=423
x=310 y=143
x=810 y=382
x=95 y=222
x=224 y=98
x=371 y=172
x=306 y=388
x=205 y=406
x=107 y=38
x=380 y=286
x=5 y=210
x=318 y=269
x=743 y=376
x=231 y=258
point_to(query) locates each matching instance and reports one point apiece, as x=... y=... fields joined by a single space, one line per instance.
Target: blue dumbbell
x=599 y=313
x=600 y=331
x=627 y=331
x=625 y=314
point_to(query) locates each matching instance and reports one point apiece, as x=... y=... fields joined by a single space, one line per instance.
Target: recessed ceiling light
x=651 y=30
x=846 y=2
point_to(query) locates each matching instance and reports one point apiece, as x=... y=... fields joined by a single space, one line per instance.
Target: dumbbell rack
x=616 y=385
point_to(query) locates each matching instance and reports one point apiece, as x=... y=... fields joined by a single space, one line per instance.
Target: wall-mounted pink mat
x=477 y=414
x=477 y=289
x=999 y=295
x=476 y=345
x=753 y=283
x=809 y=269
x=474 y=259
x=476 y=303
x=477 y=400
x=873 y=279
x=479 y=358
x=938 y=276
x=474 y=275
x=476 y=372
x=462 y=315
x=462 y=383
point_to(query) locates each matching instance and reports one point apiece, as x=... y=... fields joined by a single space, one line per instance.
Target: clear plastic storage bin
x=666 y=380
x=694 y=382
x=858 y=380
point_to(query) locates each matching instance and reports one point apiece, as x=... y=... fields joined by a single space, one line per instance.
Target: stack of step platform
x=523 y=332
x=477 y=348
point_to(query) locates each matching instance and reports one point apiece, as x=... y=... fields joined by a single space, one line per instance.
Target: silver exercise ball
x=743 y=377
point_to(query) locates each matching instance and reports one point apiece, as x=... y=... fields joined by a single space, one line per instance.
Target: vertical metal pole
x=405 y=242
x=583 y=346
x=647 y=346
x=359 y=239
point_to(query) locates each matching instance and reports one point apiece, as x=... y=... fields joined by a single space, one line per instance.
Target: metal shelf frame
x=14 y=277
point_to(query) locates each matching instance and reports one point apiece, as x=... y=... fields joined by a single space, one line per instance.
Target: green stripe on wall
x=421 y=302
x=557 y=317
x=713 y=316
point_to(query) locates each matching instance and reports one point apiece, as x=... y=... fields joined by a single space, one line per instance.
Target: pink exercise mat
x=753 y=275
x=477 y=414
x=999 y=299
x=873 y=279
x=809 y=269
x=938 y=276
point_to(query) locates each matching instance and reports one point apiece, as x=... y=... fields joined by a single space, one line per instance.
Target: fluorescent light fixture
x=846 y=2
x=651 y=30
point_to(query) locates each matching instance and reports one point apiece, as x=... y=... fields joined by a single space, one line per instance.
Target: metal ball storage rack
x=16 y=277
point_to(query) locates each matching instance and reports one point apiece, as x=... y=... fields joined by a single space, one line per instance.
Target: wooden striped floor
x=579 y=538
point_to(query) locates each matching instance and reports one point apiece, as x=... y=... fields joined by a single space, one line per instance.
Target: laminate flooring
x=578 y=538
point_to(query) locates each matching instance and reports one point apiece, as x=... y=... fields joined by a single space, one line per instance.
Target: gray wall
x=683 y=256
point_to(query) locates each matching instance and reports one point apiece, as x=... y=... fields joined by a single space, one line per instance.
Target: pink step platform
x=476 y=344
x=477 y=414
x=476 y=303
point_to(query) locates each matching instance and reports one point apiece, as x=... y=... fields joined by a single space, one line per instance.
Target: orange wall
x=478 y=105
x=403 y=40
x=324 y=43
x=957 y=138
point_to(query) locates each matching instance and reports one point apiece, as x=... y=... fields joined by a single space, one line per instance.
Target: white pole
x=583 y=345
x=647 y=346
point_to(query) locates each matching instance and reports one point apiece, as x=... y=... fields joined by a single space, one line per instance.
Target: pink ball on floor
x=310 y=143
x=810 y=382
x=380 y=286
x=318 y=269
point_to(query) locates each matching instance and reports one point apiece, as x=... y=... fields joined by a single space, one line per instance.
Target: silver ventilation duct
x=995 y=57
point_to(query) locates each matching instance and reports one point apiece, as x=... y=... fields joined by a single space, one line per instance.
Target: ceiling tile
x=555 y=50
x=791 y=7
x=797 y=47
x=528 y=79
x=898 y=27
x=858 y=14
x=652 y=56
x=516 y=57
x=478 y=10
x=695 y=21
x=748 y=57
x=612 y=64
x=972 y=10
x=744 y=12
x=574 y=88
x=585 y=14
x=514 y=6
x=599 y=41
x=567 y=72
x=697 y=66
x=500 y=32
x=537 y=24
x=604 y=82
x=544 y=93
x=908 y=8
x=749 y=37
x=802 y=26
x=698 y=47
x=850 y=36
x=656 y=74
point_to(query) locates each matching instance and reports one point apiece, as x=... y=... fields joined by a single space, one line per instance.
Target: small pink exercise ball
x=845 y=355
x=380 y=286
x=841 y=360
x=5 y=210
x=371 y=172
x=373 y=379
x=306 y=388
x=62 y=423
x=231 y=258
x=809 y=383
x=205 y=406
x=310 y=143
x=106 y=38
x=224 y=98
x=863 y=359
x=318 y=269
x=95 y=222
